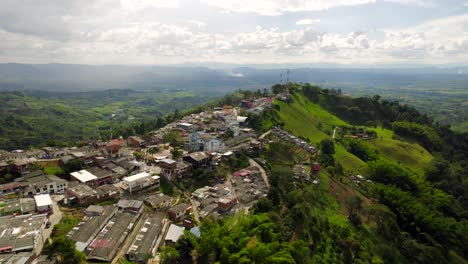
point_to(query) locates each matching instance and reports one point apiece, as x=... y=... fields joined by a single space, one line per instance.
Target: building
x=45 y=184
x=93 y=176
x=184 y=126
x=160 y=201
x=172 y=169
x=44 y=204
x=82 y=194
x=141 y=181
x=179 y=211
x=17 y=206
x=225 y=203
x=145 y=241
x=110 y=239
x=130 y=205
x=21 y=233
x=20 y=167
x=135 y=141
x=198 y=160
x=95 y=219
x=173 y=234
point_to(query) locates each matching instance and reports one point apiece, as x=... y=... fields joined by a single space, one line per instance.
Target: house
x=141 y=181
x=172 y=169
x=82 y=194
x=135 y=141
x=20 y=167
x=44 y=204
x=224 y=204
x=315 y=168
x=93 y=176
x=198 y=160
x=160 y=201
x=130 y=205
x=173 y=234
x=45 y=184
x=94 y=210
x=179 y=211
x=184 y=126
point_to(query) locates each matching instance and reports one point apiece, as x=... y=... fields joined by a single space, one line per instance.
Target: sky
x=348 y=32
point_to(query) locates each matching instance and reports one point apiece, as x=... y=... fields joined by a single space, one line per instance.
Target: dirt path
x=264 y=134
x=262 y=171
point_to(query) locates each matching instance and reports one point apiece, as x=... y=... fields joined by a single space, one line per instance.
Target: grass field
x=307 y=119
x=410 y=155
x=349 y=162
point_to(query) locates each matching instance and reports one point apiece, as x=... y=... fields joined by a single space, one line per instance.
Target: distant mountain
x=220 y=77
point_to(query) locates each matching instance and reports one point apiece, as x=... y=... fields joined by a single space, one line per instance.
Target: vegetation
x=58 y=119
x=62 y=250
x=420 y=216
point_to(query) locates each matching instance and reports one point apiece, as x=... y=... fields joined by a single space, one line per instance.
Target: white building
x=141 y=181
x=44 y=203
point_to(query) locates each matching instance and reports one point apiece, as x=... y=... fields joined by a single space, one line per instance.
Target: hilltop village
x=127 y=197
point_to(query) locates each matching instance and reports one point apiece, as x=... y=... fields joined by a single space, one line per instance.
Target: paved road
x=54 y=219
x=262 y=171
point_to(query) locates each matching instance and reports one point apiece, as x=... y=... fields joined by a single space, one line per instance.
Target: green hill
x=307 y=119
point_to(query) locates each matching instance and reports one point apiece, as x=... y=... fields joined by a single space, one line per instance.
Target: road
x=54 y=219
x=262 y=171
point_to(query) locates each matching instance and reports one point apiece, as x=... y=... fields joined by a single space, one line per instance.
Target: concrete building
x=109 y=240
x=144 y=243
x=94 y=220
x=44 y=204
x=141 y=181
x=21 y=233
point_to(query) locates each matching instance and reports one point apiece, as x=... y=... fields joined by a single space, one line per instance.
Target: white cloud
x=278 y=7
x=117 y=32
x=307 y=21
x=197 y=23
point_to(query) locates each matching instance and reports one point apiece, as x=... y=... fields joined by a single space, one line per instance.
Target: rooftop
x=174 y=233
x=83 y=176
x=148 y=234
x=43 y=200
x=137 y=177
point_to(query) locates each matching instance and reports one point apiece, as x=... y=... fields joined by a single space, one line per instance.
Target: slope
x=309 y=120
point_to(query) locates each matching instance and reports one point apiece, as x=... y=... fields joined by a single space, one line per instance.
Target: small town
x=127 y=197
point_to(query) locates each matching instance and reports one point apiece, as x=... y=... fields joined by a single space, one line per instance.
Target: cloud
x=278 y=7
x=103 y=31
x=307 y=21
x=197 y=23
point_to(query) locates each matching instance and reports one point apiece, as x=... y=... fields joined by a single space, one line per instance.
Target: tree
x=173 y=138
x=63 y=250
x=73 y=165
x=169 y=255
x=327 y=146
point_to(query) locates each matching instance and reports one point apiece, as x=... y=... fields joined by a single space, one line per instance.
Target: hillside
x=40 y=118
x=309 y=120
x=416 y=181
x=391 y=187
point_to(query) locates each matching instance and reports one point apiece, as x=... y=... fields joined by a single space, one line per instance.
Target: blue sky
x=350 y=32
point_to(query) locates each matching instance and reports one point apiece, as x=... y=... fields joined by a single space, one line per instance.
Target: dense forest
x=413 y=209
